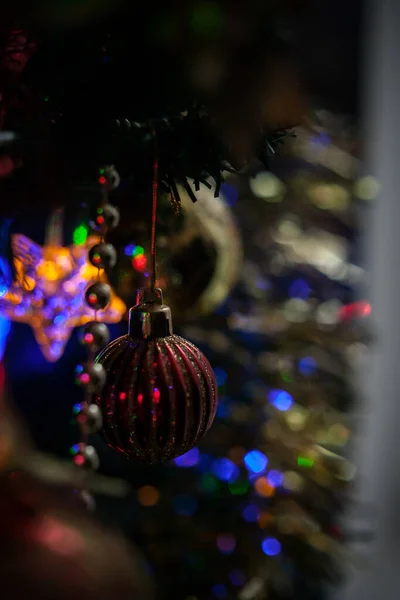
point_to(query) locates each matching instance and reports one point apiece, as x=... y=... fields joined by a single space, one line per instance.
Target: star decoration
x=49 y=292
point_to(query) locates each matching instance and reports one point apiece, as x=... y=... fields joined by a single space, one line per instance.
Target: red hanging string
x=153 y=224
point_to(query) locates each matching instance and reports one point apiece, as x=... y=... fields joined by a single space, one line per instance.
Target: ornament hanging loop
x=145 y=295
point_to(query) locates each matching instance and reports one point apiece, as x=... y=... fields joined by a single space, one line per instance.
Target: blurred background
x=283 y=282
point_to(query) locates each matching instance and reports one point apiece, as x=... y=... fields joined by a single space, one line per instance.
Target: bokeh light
x=226 y=543
x=148 y=495
x=367 y=188
x=219 y=590
x=264 y=488
x=251 y=513
x=255 y=461
x=299 y=288
x=271 y=546
x=275 y=478
x=307 y=365
x=280 y=399
x=267 y=186
x=236 y=454
x=225 y=470
x=189 y=459
x=220 y=376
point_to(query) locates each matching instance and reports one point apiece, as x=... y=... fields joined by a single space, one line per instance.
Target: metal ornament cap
x=150 y=318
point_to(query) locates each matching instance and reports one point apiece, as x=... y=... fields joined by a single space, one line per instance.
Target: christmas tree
x=253 y=510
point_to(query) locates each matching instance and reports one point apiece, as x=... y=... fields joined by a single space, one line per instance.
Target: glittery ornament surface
x=160 y=397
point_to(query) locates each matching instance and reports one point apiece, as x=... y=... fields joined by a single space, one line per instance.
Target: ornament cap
x=150 y=318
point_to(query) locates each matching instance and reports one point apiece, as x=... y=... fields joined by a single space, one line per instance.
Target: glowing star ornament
x=49 y=291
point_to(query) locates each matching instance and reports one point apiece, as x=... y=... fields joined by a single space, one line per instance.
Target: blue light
x=275 y=478
x=256 y=461
x=3 y=289
x=190 y=459
x=185 y=505
x=262 y=284
x=230 y=194
x=5 y=327
x=237 y=577
x=281 y=399
x=219 y=590
x=220 y=376
x=203 y=464
x=59 y=319
x=225 y=470
x=307 y=365
x=129 y=250
x=76 y=301
x=271 y=547
x=299 y=289
x=77 y=408
x=251 y=513
x=55 y=301
x=322 y=139
x=223 y=408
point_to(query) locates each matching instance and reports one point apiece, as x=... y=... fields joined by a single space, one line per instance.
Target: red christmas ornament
x=160 y=396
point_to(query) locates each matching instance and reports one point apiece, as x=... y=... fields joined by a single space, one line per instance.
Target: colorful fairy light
x=304 y=461
x=355 y=310
x=74 y=449
x=237 y=454
x=5 y=327
x=190 y=459
x=263 y=488
x=271 y=546
x=255 y=461
x=299 y=288
x=49 y=292
x=280 y=399
x=265 y=520
x=80 y=235
x=138 y=251
x=275 y=478
x=307 y=365
x=238 y=488
x=129 y=250
x=225 y=470
x=209 y=483
x=139 y=263
x=219 y=591
x=148 y=495
x=226 y=543
x=251 y=513
x=220 y=376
